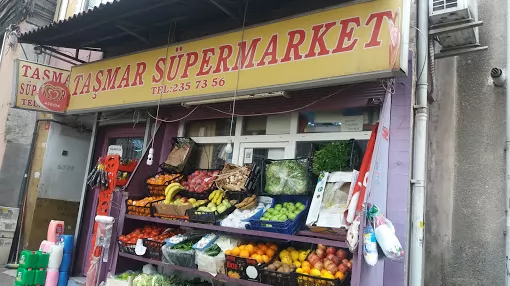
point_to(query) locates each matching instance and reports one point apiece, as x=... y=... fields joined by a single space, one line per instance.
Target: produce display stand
x=297 y=236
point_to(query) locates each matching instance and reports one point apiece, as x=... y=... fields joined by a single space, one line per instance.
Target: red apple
x=343 y=268
x=313 y=258
x=342 y=254
x=330 y=250
x=336 y=260
x=330 y=256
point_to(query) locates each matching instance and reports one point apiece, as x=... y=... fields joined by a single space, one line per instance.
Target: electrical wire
x=170 y=36
x=426 y=55
x=113 y=117
x=286 y=111
x=171 y=121
x=238 y=71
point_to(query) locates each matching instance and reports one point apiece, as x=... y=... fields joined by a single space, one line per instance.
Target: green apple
x=278 y=207
x=292 y=216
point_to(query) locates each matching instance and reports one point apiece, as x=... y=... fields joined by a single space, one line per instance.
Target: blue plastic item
x=67 y=241
x=286 y=227
x=66 y=263
x=63 y=279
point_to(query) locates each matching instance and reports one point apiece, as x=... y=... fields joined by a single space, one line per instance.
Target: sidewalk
x=7 y=277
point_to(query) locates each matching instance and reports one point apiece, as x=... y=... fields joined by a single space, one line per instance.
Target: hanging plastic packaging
x=63 y=278
x=370 y=246
x=67 y=241
x=66 y=263
x=388 y=241
x=46 y=246
x=353 y=234
x=56 y=254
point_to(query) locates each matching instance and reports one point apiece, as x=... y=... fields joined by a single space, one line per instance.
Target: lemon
x=297 y=263
x=295 y=255
x=302 y=256
x=299 y=270
x=284 y=253
x=286 y=260
x=315 y=272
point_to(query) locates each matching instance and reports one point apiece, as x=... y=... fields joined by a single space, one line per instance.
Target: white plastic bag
x=370 y=246
x=353 y=234
x=213 y=265
x=388 y=241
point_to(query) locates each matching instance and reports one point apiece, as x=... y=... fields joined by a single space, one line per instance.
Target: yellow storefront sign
x=357 y=42
x=39 y=87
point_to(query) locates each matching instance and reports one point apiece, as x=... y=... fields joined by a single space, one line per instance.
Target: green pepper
x=213 y=250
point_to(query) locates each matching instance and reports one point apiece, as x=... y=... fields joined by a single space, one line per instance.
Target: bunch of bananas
x=171 y=190
x=217 y=197
x=248 y=203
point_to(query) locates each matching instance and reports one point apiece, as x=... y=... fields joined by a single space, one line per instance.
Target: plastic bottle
x=56 y=254
x=55 y=230
x=52 y=276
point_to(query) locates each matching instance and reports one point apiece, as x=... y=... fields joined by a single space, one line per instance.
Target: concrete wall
x=465 y=194
x=63 y=174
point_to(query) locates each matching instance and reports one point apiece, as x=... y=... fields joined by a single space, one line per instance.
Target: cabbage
x=286 y=177
x=143 y=280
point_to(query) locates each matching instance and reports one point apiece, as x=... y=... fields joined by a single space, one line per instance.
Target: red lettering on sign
x=111 y=78
x=169 y=75
x=225 y=52
x=141 y=67
x=205 y=66
x=270 y=51
x=376 y=30
x=245 y=58
x=191 y=60
x=296 y=39
x=346 y=40
x=319 y=32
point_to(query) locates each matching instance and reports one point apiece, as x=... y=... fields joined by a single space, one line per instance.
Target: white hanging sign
x=115 y=150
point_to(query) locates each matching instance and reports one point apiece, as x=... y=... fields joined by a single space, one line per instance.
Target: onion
x=327 y=262
x=336 y=260
x=320 y=253
x=343 y=268
x=330 y=250
x=330 y=256
x=321 y=246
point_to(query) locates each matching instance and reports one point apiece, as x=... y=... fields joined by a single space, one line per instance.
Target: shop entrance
x=132 y=141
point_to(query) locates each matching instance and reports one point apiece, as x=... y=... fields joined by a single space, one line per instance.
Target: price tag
x=248 y=156
x=115 y=150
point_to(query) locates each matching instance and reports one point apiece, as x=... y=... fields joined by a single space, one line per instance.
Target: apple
x=342 y=254
x=321 y=246
x=319 y=266
x=313 y=258
x=330 y=250
x=330 y=256
x=343 y=268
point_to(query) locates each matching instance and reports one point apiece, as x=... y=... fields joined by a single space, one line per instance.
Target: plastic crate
x=286 y=227
x=277 y=278
x=159 y=190
x=153 y=249
x=146 y=210
x=128 y=248
x=214 y=217
x=40 y=277
x=243 y=268
x=43 y=260
x=129 y=167
x=25 y=276
x=199 y=196
x=311 y=180
x=185 y=167
x=252 y=184
x=307 y=280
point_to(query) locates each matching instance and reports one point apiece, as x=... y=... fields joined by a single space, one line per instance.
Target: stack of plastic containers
x=32 y=268
x=66 y=241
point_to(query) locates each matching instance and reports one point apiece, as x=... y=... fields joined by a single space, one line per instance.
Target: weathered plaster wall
x=466 y=195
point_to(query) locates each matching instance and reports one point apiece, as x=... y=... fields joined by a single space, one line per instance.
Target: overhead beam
x=55 y=51
x=225 y=10
x=454 y=28
x=135 y=33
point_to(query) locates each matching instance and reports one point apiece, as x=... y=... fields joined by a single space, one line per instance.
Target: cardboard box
x=172 y=210
x=326 y=214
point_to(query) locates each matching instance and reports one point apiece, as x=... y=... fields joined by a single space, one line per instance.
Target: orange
x=228 y=252
x=270 y=252
x=250 y=248
x=339 y=275
x=258 y=258
x=306 y=264
x=306 y=269
x=263 y=247
x=273 y=246
x=244 y=254
x=242 y=247
x=260 y=252
x=236 y=251
x=265 y=258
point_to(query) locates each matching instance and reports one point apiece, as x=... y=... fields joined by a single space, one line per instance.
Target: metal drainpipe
x=507 y=148
x=416 y=249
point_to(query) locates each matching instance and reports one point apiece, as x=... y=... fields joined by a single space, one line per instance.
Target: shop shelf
x=159 y=190
x=219 y=277
x=247 y=232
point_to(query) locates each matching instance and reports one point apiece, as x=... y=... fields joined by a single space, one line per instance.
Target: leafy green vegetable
x=332 y=157
x=286 y=177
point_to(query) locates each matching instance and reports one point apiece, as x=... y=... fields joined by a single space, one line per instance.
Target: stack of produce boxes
x=32 y=268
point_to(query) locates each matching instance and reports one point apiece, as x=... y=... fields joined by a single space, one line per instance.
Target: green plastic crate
x=28 y=259
x=25 y=276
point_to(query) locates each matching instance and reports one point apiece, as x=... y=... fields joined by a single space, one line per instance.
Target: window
x=132 y=147
x=283 y=136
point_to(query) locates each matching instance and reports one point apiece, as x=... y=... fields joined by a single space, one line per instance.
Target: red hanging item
x=111 y=164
